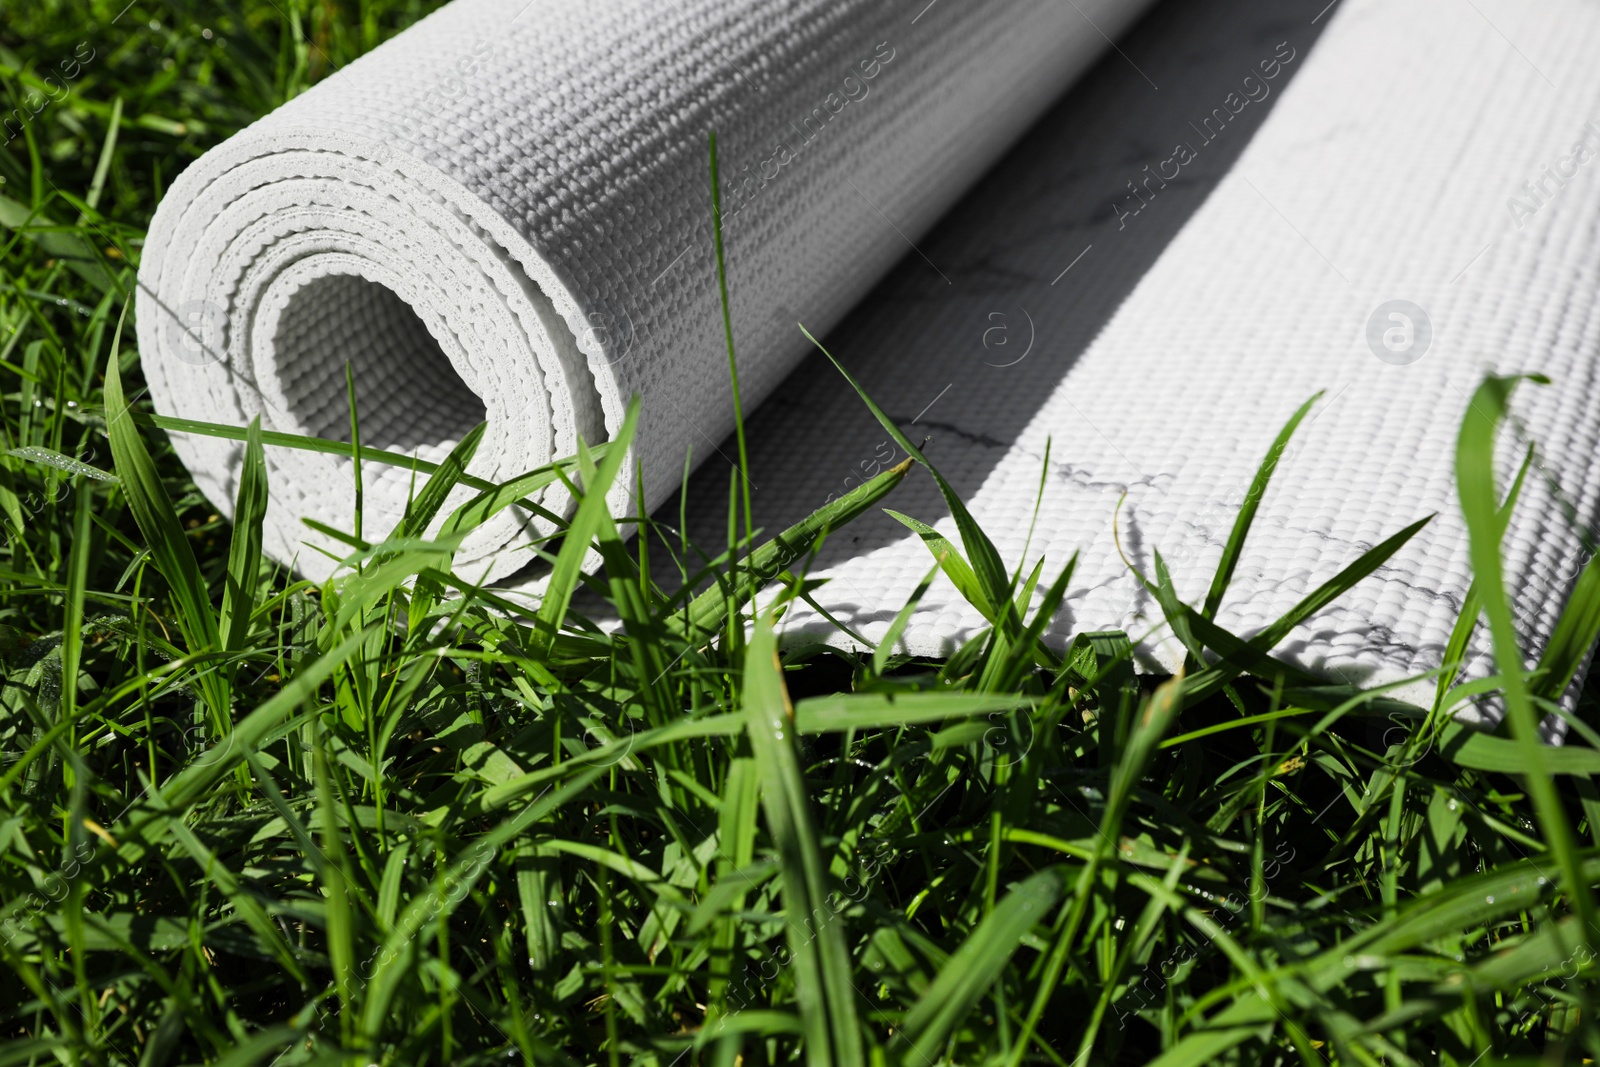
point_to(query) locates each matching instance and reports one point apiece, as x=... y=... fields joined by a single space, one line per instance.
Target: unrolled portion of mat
x=1154 y=281
x=505 y=214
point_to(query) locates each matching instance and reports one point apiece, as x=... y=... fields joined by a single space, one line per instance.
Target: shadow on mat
x=1039 y=254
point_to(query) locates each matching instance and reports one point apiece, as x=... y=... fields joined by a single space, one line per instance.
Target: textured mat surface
x=1387 y=162
x=505 y=212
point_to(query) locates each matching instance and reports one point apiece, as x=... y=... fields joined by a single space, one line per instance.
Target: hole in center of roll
x=408 y=396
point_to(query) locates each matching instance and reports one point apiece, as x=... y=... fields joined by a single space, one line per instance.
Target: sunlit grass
x=245 y=818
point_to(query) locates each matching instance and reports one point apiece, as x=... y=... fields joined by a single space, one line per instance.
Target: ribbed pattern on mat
x=1386 y=170
x=530 y=179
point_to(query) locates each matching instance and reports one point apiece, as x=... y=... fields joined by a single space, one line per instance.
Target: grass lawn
x=247 y=819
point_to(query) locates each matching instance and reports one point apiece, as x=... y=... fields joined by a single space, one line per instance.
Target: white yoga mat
x=505 y=212
x=1417 y=150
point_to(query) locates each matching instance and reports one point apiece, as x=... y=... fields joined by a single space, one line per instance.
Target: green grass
x=251 y=820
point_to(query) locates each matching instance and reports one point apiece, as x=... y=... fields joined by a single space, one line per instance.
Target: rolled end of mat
x=279 y=260
x=504 y=214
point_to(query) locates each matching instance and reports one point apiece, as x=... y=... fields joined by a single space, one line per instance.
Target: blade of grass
x=169 y=547
x=1214 y=678
x=727 y=329
x=108 y=149
x=244 y=550
x=974 y=968
x=1466 y=623
x=421 y=509
x=706 y=612
x=816 y=932
x=1232 y=548
x=885 y=649
x=736 y=840
x=593 y=509
x=983 y=556
x=1573 y=637
x=536 y=479
x=951 y=561
x=869 y=711
x=72 y=607
x=1155 y=717
x=145 y=823
x=1475 y=482
x=355 y=447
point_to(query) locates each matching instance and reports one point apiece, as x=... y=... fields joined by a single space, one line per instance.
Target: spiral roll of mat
x=504 y=214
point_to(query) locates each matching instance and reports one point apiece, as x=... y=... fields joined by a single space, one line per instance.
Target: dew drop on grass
x=1488 y=900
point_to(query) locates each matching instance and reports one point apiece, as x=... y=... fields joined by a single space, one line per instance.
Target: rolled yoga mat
x=505 y=212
